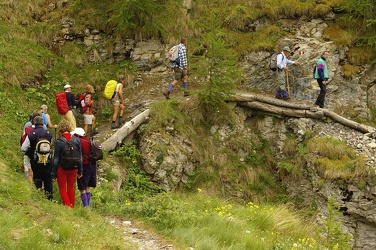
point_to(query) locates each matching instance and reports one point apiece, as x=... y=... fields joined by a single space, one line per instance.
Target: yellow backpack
x=109 y=90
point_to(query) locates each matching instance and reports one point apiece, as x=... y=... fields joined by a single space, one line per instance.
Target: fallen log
x=117 y=138
x=287 y=108
x=283 y=110
x=349 y=123
x=245 y=97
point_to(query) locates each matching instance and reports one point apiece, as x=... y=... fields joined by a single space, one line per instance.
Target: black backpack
x=42 y=151
x=96 y=151
x=70 y=157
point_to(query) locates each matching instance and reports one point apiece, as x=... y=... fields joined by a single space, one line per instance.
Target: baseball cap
x=78 y=131
x=66 y=86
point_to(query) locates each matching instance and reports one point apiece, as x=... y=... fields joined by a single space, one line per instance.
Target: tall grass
x=29 y=221
x=203 y=222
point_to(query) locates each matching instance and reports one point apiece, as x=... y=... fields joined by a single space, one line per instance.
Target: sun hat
x=78 y=131
x=67 y=86
x=286 y=48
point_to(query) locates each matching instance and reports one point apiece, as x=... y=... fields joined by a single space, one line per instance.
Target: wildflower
x=199 y=190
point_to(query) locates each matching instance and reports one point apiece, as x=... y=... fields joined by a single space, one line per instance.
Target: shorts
x=88 y=119
x=89 y=176
x=26 y=162
x=116 y=103
x=178 y=74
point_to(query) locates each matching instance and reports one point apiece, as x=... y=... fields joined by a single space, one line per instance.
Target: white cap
x=67 y=86
x=78 y=131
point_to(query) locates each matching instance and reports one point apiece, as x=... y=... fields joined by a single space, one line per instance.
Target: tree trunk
x=287 y=108
x=117 y=138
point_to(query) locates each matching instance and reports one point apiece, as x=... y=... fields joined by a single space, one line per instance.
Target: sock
x=84 y=200
x=170 y=87
x=185 y=85
x=88 y=195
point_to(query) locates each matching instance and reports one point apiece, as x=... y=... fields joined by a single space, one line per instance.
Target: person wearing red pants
x=66 y=176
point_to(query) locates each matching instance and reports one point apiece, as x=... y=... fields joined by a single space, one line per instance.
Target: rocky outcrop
x=169 y=157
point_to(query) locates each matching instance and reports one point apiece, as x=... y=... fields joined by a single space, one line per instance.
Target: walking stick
x=287 y=81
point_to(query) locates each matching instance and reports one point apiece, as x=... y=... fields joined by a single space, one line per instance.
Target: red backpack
x=62 y=103
x=23 y=137
x=83 y=102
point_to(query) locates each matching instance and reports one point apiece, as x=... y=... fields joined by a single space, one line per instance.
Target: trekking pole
x=287 y=81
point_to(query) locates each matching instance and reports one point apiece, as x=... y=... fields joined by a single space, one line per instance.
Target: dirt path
x=141 y=238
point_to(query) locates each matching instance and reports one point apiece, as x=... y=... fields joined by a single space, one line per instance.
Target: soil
x=138 y=236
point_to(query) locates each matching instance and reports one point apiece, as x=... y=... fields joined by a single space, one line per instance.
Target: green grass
x=30 y=221
x=209 y=223
x=33 y=69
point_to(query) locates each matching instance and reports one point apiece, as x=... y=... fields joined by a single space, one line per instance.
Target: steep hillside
x=229 y=166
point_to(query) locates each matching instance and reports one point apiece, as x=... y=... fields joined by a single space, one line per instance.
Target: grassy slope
x=27 y=219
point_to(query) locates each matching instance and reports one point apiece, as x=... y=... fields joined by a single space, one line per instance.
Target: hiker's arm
x=121 y=94
x=49 y=122
x=25 y=145
x=55 y=160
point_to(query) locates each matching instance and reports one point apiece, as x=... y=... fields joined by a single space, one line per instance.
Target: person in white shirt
x=282 y=68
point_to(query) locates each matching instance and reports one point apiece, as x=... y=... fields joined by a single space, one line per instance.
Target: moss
x=349 y=71
x=360 y=55
x=339 y=35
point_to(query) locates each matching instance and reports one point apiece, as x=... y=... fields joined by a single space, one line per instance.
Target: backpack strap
x=90 y=142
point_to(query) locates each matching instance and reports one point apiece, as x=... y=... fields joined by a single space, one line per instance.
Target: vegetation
x=34 y=66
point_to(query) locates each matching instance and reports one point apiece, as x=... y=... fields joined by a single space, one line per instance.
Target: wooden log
x=349 y=123
x=117 y=138
x=242 y=97
x=297 y=110
x=283 y=111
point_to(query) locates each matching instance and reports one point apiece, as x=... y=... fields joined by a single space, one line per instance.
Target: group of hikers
x=320 y=73
x=71 y=158
x=180 y=67
x=42 y=169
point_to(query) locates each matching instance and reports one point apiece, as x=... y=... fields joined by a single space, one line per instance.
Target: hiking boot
x=122 y=121
x=167 y=94
x=285 y=95
x=114 y=125
x=94 y=132
x=186 y=93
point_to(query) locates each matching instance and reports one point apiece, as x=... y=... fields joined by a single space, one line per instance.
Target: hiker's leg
x=321 y=98
x=71 y=181
x=116 y=112
x=47 y=181
x=69 y=116
x=93 y=123
x=62 y=184
x=281 y=80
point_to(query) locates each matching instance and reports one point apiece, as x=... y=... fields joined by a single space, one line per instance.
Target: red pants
x=66 y=180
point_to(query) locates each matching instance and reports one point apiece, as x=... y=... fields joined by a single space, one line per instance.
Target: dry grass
x=335 y=159
x=360 y=55
x=339 y=36
x=349 y=71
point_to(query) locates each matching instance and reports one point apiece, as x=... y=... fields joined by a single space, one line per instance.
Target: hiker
x=41 y=170
x=118 y=103
x=89 y=175
x=28 y=127
x=180 y=68
x=66 y=178
x=46 y=117
x=282 y=72
x=322 y=76
x=69 y=116
x=89 y=118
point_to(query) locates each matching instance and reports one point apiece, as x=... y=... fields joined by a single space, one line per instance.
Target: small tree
x=221 y=68
x=332 y=233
